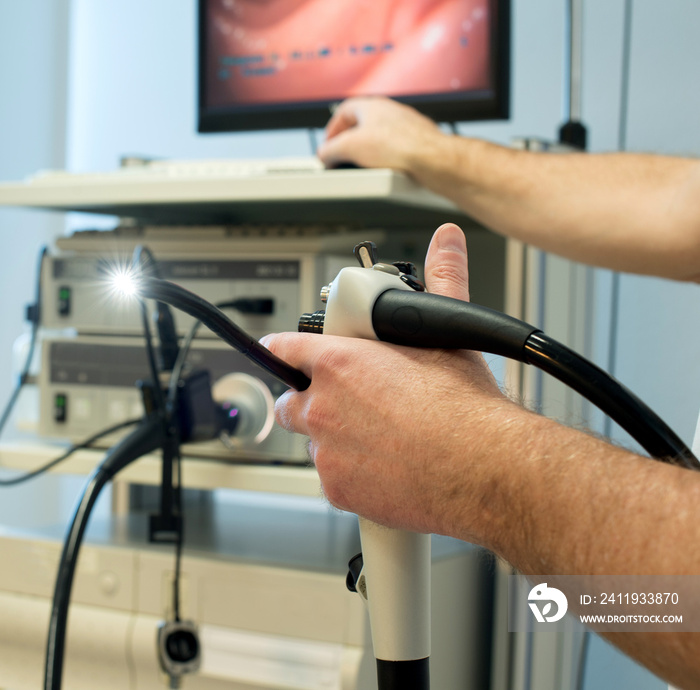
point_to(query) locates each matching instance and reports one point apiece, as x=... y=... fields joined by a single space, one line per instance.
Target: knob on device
x=250 y=401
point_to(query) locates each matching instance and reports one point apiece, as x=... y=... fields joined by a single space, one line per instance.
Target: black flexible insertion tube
x=619 y=403
x=217 y=322
x=145 y=439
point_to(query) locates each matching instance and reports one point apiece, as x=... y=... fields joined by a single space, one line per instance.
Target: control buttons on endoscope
x=407 y=267
x=386 y=268
x=366 y=254
x=412 y=282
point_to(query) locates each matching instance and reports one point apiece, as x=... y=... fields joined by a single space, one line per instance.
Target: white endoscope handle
x=395 y=580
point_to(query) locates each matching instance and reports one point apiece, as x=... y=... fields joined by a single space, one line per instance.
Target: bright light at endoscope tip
x=124 y=281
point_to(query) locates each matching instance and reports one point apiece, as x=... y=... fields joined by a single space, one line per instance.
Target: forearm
x=579 y=506
x=585 y=506
x=637 y=213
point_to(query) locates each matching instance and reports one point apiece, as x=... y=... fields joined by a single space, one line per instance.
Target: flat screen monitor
x=278 y=64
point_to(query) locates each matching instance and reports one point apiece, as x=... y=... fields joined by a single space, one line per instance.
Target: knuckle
x=283 y=411
x=316 y=416
x=448 y=276
x=330 y=361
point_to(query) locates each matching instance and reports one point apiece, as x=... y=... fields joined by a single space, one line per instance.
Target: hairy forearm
x=617 y=508
x=637 y=213
x=579 y=506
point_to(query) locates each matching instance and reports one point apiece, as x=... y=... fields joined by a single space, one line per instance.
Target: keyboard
x=137 y=170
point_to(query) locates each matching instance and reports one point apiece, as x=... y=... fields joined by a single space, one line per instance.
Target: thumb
x=446 y=267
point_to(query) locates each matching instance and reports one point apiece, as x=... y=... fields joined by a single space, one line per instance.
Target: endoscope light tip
x=124 y=281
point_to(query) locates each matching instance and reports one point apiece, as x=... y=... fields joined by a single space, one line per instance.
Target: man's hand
x=378 y=133
x=388 y=425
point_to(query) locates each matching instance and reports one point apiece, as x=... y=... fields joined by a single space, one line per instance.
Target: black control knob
x=407 y=267
x=312 y=323
x=354 y=569
x=413 y=282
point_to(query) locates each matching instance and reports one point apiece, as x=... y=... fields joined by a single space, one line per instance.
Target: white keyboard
x=184 y=169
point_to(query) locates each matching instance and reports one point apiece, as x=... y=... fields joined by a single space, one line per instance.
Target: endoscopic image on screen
x=268 y=51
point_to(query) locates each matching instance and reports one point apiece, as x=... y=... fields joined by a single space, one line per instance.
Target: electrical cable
x=145 y=439
x=34 y=312
x=136 y=261
x=159 y=398
x=189 y=338
x=179 y=509
x=180 y=362
x=217 y=322
x=171 y=491
x=73 y=449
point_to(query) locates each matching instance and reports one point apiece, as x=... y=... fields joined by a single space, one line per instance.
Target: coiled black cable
x=34 y=312
x=13 y=481
x=145 y=439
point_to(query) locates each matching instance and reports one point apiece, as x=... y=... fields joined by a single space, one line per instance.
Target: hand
x=396 y=432
x=377 y=133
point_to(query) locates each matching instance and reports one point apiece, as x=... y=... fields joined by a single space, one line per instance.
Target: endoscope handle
x=395 y=579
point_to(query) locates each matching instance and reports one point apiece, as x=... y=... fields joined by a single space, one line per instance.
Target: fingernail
x=265 y=340
x=452 y=238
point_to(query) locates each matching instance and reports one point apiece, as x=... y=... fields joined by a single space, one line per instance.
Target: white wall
x=659 y=327
x=33 y=95
x=133 y=89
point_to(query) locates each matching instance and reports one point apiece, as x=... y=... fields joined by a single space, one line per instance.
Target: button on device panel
x=262 y=293
x=60 y=408
x=64 y=300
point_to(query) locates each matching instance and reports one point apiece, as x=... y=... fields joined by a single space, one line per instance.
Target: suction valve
x=406 y=267
x=412 y=282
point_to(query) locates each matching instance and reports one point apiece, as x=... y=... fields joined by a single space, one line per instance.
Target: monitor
x=278 y=64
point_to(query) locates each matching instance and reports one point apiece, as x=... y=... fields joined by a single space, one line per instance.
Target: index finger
x=293 y=348
x=344 y=117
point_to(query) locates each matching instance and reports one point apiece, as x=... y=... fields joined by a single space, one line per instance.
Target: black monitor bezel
x=462 y=107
